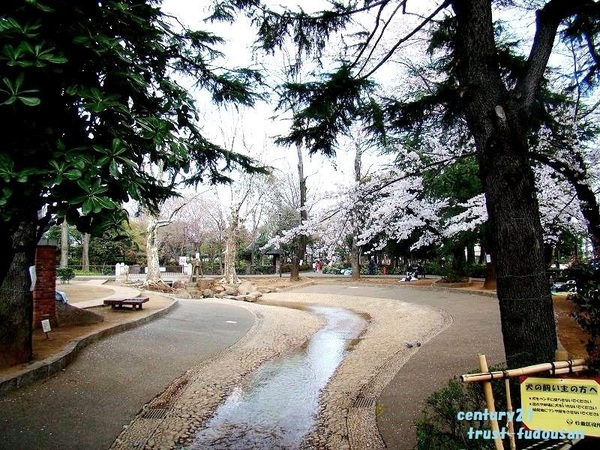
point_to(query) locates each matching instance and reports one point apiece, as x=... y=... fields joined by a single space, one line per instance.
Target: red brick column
x=44 y=303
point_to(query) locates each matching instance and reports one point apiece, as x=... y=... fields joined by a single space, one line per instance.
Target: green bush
x=97 y=271
x=433 y=268
x=440 y=428
x=398 y=270
x=211 y=268
x=263 y=269
x=65 y=274
x=334 y=269
x=476 y=271
x=330 y=269
x=452 y=276
x=287 y=267
x=241 y=266
x=305 y=267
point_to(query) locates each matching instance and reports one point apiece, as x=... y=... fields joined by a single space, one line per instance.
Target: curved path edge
x=173 y=417
x=43 y=369
x=475 y=330
x=396 y=331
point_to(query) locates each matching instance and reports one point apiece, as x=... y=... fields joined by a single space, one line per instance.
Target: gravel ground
x=346 y=418
x=172 y=418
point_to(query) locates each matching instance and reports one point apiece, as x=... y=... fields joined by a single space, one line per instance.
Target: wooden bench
x=135 y=303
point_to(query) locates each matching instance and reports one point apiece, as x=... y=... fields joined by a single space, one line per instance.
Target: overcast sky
x=259 y=126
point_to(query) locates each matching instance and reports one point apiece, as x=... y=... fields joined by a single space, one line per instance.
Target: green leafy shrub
x=241 y=266
x=476 y=271
x=433 y=268
x=211 y=268
x=452 y=276
x=441 y=429
x=65 y=274
x=96 y=271
x=334 y=268
x=305 y=267
x=263 y=269
x=396 y=270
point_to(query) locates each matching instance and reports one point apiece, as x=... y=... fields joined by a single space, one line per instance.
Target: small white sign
x=46 y=326
x=488 y=258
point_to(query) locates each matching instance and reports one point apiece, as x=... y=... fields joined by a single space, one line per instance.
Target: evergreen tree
x=89 y=97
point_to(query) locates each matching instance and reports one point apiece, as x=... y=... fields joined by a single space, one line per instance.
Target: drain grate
x=158 y=413
x=364 y=402
x=549 y=444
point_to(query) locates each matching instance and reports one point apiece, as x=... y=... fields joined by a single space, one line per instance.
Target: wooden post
x=489 y=399
x=511 y=422
x=561 y=355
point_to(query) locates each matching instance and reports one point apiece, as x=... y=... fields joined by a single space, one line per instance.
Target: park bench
x=135 y=303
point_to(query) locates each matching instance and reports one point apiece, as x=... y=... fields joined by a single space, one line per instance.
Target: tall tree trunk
x=300 y=244
x=64 y=244
x=152 y=259
x=252 y=267
x=471 y=253
x=498 y=122
x=458 y=259
x=295 y=266
x=85 y=252
x=355 y=259
x=16 y=298
x=355 y=250
x=229 y=273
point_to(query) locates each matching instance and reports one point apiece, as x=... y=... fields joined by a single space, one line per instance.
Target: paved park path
x=86 y=406
x=475 y=329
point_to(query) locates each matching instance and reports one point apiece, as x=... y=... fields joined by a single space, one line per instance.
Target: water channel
x=278 y=406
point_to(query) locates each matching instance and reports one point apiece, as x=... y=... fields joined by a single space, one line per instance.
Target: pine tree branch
x=547 y=22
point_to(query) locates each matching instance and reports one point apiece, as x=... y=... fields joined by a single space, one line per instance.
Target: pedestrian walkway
x=86 y=405
x=475 y=328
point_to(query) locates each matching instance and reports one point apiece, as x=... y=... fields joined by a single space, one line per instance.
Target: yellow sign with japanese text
x=561 y=404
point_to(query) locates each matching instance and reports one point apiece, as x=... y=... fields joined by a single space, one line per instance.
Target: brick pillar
x=44 y=303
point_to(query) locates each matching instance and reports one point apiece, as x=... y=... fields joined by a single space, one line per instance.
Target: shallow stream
x=277 y=408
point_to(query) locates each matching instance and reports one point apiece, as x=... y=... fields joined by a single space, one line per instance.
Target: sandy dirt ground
x=570 y=334
x=77 y=292
x=361 y=376
x=59 y=338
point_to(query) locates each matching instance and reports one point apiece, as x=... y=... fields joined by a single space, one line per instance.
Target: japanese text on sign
x=562 y=404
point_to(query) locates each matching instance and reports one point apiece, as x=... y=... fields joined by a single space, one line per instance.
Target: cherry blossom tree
x=493 y=86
